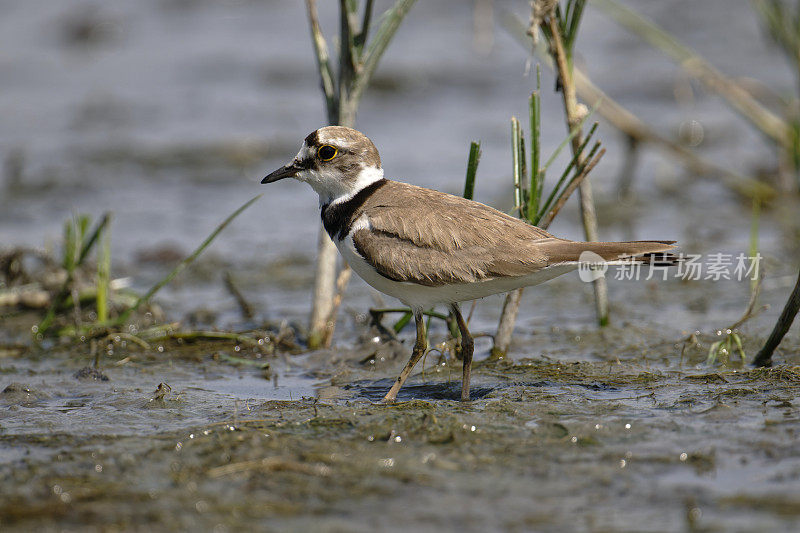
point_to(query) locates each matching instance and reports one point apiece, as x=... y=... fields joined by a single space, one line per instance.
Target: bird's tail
x=654 y=253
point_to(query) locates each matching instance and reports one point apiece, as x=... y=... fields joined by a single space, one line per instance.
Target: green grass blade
x=402 y=322
x=76 y=248
x=738 y=341
x=537 y=176
x=103 y=276
x=428 y=327
x=516 y=164
x=68 y=259
x=472 y=169
x=183 y=264
x=560 y=18
x=50 y=315
x=573 y=132
x=564 y=184
x=554 y=195
x=580 y=168
x=712 y=353
x=554 y=192
x=575 y=15
x=88 y=244
x=524 y=179
x=83 y=227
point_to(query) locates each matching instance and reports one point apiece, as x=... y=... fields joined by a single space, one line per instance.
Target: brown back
x=432 y=238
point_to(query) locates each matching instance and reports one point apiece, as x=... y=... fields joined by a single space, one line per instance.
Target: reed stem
x=628 y=123
x=573 y=117
x=358 y=60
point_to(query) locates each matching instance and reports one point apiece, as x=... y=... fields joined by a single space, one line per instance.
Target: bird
x=426 y=247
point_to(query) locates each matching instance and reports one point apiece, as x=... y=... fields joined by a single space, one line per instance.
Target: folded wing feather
x=426 y=237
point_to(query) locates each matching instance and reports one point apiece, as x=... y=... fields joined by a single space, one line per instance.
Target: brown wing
x=431 y=238
x=432 y=218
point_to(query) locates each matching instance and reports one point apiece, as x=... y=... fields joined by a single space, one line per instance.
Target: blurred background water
x=168 y=112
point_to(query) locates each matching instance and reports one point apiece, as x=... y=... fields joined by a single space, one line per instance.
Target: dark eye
x=326 y=152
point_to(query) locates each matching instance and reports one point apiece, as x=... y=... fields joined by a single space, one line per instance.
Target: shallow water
x=167 y=112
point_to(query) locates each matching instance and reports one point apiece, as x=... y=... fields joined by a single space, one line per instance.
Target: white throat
x=334 y=188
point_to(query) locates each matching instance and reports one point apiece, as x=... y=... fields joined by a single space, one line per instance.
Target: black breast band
x=339 y=218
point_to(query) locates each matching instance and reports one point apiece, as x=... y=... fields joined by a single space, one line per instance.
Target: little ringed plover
x=425 y=247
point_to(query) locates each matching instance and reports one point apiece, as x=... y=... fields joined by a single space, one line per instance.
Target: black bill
x=289 y=171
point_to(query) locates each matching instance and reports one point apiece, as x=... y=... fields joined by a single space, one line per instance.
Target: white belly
x=423 y=297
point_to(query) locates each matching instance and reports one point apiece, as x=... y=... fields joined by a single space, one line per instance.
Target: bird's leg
x=416 y=354
x=467 y=347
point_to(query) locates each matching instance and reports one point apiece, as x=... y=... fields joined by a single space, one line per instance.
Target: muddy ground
x=211 y=436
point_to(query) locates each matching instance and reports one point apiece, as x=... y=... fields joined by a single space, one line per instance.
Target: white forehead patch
x=323 y=138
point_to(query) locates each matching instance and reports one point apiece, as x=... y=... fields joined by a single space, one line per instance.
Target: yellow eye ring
x=326 y=152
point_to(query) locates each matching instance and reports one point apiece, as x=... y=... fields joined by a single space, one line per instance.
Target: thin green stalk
x=516 y=163
x=103 y=276
x=573 y=118
x=123 y=317
x=407 y=315
x=70 y=245
x=76 y=248
x=472 y=169
x=563 y=179
x=569 y=26
x=574 y=183
x=572 y=133
x=523 y=174
x=593 y=151
x=403 y=321
x=537 y=176
x=452 y=326
x=89 y=243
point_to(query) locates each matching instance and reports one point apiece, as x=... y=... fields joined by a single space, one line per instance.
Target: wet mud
x=639 y=441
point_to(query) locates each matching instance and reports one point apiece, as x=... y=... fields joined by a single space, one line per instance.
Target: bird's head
x=336 y=161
